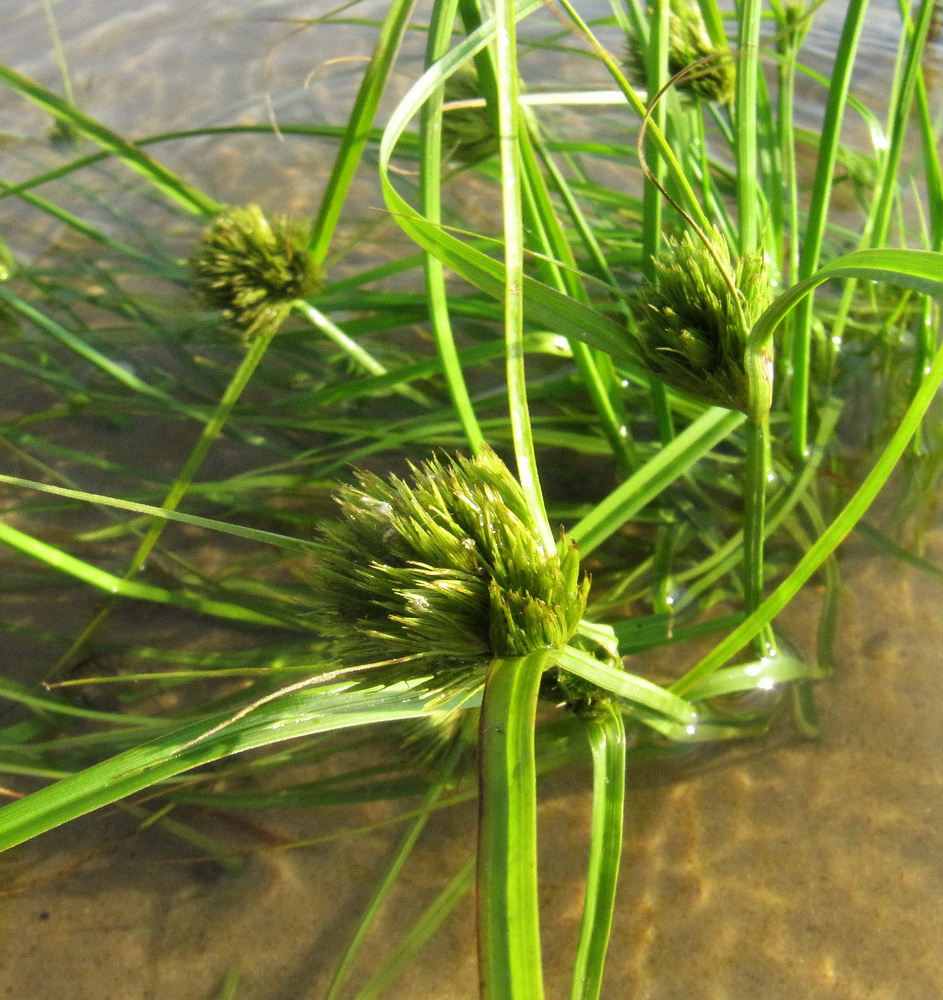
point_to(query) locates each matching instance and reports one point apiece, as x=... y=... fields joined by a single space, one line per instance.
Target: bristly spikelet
x=694 y=321
x=797 y=20
x=252 y=269
x=467 y=133
x=579 y=696
x=712 y=75
x=448 y=567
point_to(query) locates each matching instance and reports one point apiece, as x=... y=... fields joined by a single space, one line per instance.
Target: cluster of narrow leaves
x=448 y=568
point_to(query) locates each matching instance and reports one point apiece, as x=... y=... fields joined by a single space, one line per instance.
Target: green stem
x=653 y=221
x=748 y=66
x=818 y=212
x=359 y=125
x=508 y=912
x=688 y=198
x=550 y=240
x=258 y=347
x=657 y=74
x=607 y=744
x=874 y=233
x=351 y=348
x=789 y=40
x=829 y=540
x=430 y=166
x=334 y=333
x=900 y=124
x=509 y=126
x=754 y=522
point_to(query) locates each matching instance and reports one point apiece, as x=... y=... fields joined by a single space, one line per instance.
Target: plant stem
x=508 y=127
x=754 y=522
x=829 y=540
x=607 y=742
x=430 y=159
x=258 y=347
x=818 y=212
x=351 y=348
x=657 y=75
x=688 y=199
x=358 y=127
x=550 y=240
x=508 y=912
x=748 y=65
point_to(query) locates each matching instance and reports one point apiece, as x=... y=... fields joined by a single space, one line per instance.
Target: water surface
x=783 y=870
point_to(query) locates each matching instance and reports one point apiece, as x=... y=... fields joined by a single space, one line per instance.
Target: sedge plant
x=474 y=477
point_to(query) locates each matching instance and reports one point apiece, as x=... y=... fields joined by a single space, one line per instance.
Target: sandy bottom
x=775 y=872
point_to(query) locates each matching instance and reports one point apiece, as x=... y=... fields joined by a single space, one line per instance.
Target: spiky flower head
x=796 y=20
x=467 y=132
x=579 y=696
x=252 y=268
x=448 y=567
x=712 y=75
x=694 y=321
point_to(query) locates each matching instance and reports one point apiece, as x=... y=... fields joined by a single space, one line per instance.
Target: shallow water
x=787 y=869
x=784 y=869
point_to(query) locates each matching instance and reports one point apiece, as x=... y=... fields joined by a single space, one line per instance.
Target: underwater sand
x=775 y=872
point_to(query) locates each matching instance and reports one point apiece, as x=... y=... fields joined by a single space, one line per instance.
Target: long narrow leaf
x=919 y=270
x=252 y=534
x=160 y=176
x=654 y=476
x=301 y=713
x=111 y=584
x=632 y=688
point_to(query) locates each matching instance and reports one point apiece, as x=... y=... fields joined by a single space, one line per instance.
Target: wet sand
x=780 y=870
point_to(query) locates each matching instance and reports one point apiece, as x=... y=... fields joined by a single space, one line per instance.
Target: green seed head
x=467 y=133
x=694 y=320
x=796 y=19
x=581 y=697
x=447 y=567
x=252 y=269
x=712 y=75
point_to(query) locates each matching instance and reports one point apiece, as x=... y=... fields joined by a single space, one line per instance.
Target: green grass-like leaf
x=299 y=713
